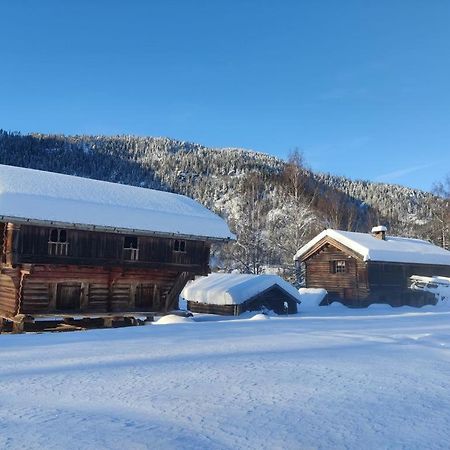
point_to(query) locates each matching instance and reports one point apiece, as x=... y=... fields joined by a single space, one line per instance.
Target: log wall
x=351 y=285
x=272 y=299
x=93 y=271
x=365 y=283
x=100 y=248
x=53 y=289
x=46 y=289
x=8 y=296
x=389 y=283
x=222 y=310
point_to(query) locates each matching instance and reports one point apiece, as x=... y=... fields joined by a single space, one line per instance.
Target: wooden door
x=349 y=294
x=144 y=297
x=68 y=297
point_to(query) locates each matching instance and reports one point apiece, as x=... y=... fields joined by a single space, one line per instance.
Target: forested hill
x=274 y=206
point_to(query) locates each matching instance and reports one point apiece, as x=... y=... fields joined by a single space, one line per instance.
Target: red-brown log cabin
x=77 y=246
x=359 y=269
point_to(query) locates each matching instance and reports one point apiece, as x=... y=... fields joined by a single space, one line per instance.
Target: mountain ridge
x=255 y=191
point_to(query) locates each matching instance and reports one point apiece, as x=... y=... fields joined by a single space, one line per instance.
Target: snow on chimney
x=379 y=232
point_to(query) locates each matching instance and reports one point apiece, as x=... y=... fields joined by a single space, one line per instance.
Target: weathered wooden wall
x=272 y=299
x=364 y=283
x=389 y=282
x=95 y=276
x=2 y=243
x=53 y=289
x=350 y=285
x=8 y=296
x=222 y=310
x=99 y=248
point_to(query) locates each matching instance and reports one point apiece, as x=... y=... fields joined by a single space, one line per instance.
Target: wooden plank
x=351 y=283
x=101 y=248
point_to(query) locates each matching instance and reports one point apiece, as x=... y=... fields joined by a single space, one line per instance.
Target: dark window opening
x=53 y=235
x=339 y=266
x=130 y=242
x=62 y=236
x=179 y=246
x=130 y=248
x=57 y=242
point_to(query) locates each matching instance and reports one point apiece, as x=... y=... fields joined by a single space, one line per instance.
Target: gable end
x=330 y=241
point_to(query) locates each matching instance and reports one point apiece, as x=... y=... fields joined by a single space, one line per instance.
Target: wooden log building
x=232 y=294
x=75 y=246
x=359 y=269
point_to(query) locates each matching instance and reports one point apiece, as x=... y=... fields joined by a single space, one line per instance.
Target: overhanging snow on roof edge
x=393 y=249
x=106 y=229
x=46 y=198
x=234 y=289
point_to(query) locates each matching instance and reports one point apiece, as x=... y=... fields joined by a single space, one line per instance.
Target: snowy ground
x=341 y=379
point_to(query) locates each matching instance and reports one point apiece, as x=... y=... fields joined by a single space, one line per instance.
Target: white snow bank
x=172 y=319
x=381 y=307
x=260 y=316
x=311 y=298
x=233 y=288
x=393 y=249
x=359 y=380
x=338 y=305
x=52 y=197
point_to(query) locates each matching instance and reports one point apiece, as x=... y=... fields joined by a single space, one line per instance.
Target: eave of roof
x=106 y=229
x=53 y=199
x=229 y=289
x=392 y=250
x=329 y=240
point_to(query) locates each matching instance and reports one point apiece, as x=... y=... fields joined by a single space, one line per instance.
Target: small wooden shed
x=359 y=269
x=233 y=294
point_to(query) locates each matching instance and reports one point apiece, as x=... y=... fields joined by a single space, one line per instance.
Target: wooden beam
x=18 y=324
x=108 y=229
x=173 y=294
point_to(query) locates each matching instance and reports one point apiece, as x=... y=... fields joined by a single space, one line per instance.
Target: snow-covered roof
x=38 y=196
x=439 y=286
x=233 y=288
x=393 y=249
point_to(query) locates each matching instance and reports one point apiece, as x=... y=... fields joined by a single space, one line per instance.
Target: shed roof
x=234 y=289
x=37 y=196
x=393 y=249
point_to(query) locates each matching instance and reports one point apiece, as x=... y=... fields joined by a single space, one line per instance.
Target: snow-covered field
x=378 y=378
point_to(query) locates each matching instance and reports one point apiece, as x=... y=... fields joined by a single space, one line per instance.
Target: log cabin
x=359 y=269
x=76 y=246
x=232 y=294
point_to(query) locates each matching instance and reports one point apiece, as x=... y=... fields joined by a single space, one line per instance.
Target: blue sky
x=362 y=88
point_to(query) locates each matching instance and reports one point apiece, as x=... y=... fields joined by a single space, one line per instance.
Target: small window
x=130 y=242
x=339 y=266
x=54 y=235
x=179 y=246
x=130 y=248
x=57 y=242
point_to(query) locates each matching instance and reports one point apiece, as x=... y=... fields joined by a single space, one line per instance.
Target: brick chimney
x=379 y=232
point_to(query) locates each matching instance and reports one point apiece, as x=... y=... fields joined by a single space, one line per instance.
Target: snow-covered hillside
x=396 y=202
x=274 y=207
x=378 y=378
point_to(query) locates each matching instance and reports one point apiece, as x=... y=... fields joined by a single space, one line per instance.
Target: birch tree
x=440 y=210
